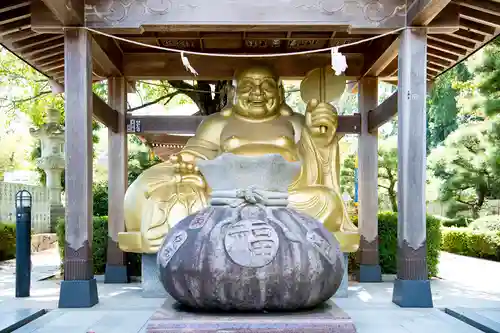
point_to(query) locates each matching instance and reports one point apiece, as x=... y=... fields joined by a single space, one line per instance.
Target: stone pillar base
x=412 y=293
x=116 y=274
x=369 y=273
x=151 y=284
x=344 y=285
x=78 y=294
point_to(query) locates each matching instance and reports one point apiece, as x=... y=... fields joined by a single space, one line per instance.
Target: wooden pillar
x=116 y=265
x=79 y=287
x=412 y=286
x=369 y=269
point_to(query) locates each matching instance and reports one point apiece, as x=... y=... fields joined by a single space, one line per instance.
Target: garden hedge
x=388 y=243
x=486 y=223
x=7 y=241
x=99 y=246
x=472 y=243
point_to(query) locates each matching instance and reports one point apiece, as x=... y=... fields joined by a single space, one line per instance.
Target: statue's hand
x=321 y=120
x=186 y=169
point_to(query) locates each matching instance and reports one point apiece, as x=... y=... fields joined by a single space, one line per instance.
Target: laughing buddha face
x=257 y=93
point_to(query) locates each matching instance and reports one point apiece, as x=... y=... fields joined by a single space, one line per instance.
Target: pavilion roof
x=457 y=29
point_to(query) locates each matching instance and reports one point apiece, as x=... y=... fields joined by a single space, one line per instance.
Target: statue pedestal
x=326 y=318
x=151 y=285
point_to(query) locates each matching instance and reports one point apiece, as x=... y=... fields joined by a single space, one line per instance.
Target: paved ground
x=122 y=309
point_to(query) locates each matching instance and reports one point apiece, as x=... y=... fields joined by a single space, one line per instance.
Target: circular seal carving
x=172 y=246
x=251 y=243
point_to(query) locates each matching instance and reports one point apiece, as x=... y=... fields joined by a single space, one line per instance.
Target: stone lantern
x=51 y=136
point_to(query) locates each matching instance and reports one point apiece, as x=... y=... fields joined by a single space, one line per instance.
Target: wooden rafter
x=68 y=12
x=452 y=40
x=480 y=16
x=422 y=12
x=459 y=51
x=476 y=27
x=485 y=6
x=107 y=56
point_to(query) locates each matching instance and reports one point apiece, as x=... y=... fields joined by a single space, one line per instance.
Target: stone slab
x=151 y=284
x=328 y=318
x=474 y=318
x=11 y=320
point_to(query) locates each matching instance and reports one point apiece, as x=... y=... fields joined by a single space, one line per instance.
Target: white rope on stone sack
x=338 y=60
x=250 y=195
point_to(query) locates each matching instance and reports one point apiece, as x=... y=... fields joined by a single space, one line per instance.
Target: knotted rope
x=249 y=195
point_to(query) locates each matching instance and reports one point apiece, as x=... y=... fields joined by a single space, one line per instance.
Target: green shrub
x=7 y=241
x=100 y=199
x=486 y=223
x=459 y=221
x=388 y=243
x=99 y=246
x=472 y=243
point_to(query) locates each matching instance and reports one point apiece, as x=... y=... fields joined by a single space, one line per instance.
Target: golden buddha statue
x=258 y=122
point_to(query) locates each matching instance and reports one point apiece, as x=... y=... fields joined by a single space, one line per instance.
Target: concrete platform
x=485 y=320
x=11 y=320
x=325 y=319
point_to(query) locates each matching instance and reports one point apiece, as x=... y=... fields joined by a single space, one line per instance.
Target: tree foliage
x=466 y=165
x=442 y=105
x=387 y=173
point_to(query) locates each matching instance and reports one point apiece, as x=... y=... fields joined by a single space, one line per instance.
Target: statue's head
x=257 y=93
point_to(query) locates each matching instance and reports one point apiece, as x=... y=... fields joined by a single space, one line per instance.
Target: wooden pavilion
x=50 y=35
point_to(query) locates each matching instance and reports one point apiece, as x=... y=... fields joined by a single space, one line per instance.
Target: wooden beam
x=79 y=288
x=383 y=112
x=368 y=185
x=105 y=114
x=68 y=12
x=169 y=66
x=187 y=125
x=447 y=21
x=422 y=12
x=107 y=56
x=412 y=273
x=385 y=54
x=240 y=16
x=116 y=264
